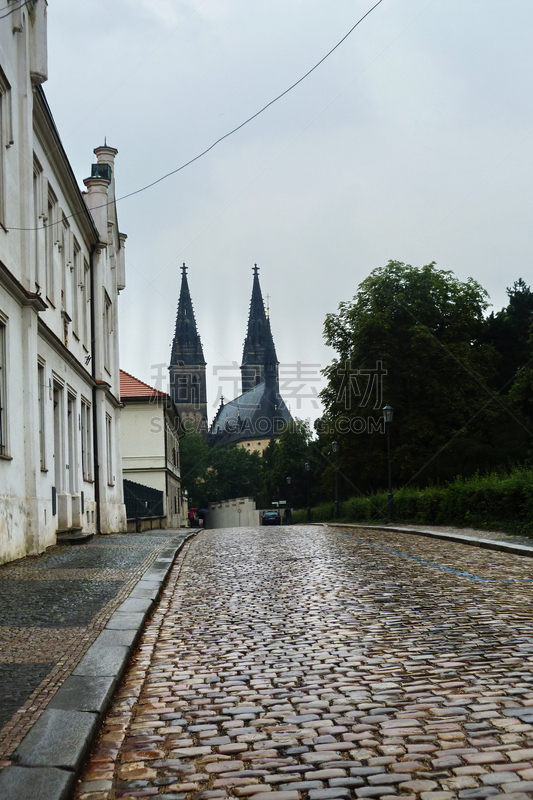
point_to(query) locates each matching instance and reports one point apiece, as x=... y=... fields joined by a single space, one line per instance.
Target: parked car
x=271 y=518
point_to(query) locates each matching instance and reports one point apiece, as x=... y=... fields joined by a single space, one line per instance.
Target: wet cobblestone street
x=308 y=663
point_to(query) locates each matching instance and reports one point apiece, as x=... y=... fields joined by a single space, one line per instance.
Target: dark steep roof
x=256 y=413
x=187 y=345
x=259 y=335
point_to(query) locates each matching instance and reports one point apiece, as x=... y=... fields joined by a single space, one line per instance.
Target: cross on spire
x=184 y=269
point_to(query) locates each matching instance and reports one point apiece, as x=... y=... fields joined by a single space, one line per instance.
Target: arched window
x=195 y=390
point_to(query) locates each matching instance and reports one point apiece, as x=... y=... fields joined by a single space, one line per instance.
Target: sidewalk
x=489 y=540
x=70 y=620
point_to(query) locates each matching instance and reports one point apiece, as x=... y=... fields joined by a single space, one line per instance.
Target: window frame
x=41 y=399
x=6 y=139
x=109 y=448
x=4 y=396
x=86 y=441
x=108 y=332
x=50 y=220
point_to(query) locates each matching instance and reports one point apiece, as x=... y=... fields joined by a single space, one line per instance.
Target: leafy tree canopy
x=509 y=332
x=286 y=458
x=410 y=337
x=195 y=459
x=233 y=472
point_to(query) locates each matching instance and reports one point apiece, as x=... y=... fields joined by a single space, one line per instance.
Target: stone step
x=73 y=535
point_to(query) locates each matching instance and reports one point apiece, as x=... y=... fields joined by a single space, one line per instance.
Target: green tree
x=521 y=393
x=285 y=458
x=233 y=472
x=410 y=338
x=194 y=459
x=211 y=474
x=509 y=332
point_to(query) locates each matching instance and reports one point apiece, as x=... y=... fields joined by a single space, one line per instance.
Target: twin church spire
x=187 y=363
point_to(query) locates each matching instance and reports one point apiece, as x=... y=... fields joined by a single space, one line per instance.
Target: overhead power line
x=230 y=133
x=257 y=113
x=15 y=8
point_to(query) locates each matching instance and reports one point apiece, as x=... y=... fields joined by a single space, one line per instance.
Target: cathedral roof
x=187 y=345
x=254 y=413
x=259 y=335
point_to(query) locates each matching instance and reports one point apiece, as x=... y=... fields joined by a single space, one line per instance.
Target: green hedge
x=495 y=501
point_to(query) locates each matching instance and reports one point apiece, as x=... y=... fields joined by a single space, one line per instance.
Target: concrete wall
x=226 y=514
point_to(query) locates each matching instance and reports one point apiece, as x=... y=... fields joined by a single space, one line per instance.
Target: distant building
x=187 y=365
x=151 y=432
x=259 y=413
x=61 y=270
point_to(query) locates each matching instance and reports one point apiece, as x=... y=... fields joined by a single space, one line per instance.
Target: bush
x=497 y=501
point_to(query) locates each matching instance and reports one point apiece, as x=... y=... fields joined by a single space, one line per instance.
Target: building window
x=86 y=442
x=72 y=465
x=195 y=391
x=59 y=432
x=38 y=214
x=3 y=390
x=63 y=247
x=6 y=137
x=76 y=281
x=109 y=449
x=50 y=238
x=85 y=305
x=183 y=388
x=41 y=379
x=108 y=330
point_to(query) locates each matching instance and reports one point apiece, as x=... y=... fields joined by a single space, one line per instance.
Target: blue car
x=271 y=518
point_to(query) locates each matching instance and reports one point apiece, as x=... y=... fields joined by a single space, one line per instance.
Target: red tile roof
x=133 y=387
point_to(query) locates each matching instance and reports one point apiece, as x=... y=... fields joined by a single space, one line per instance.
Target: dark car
x=271 y=518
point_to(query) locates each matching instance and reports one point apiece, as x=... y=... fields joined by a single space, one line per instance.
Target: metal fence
x=142 y=501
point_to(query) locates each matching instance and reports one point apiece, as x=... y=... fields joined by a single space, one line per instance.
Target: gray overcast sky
x=413 y=141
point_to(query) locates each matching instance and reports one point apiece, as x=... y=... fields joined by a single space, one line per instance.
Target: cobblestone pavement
x=308 y=663
x=53 y=607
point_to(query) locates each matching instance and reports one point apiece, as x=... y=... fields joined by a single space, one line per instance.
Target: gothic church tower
x=258 y=339
x=187 y=365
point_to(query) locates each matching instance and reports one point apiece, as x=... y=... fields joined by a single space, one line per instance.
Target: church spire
x=187 y=365
x=258 y=339
x=187 y=345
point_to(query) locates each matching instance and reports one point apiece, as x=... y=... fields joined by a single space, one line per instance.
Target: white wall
x=49 y=248
x=145 y=428
x=240 y=512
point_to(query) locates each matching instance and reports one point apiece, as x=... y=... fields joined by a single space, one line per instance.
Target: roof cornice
x=17 y=290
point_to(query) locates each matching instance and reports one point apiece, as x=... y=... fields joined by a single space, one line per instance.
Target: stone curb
x=47 y=762
x=487 y=544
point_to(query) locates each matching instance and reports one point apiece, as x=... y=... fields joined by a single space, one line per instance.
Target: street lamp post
x=335 y=448
x=289 y=512
x=307 y=470
x=388 y=413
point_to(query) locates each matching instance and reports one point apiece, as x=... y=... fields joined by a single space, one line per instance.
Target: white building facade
x=151 y=449
x=61 y=270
